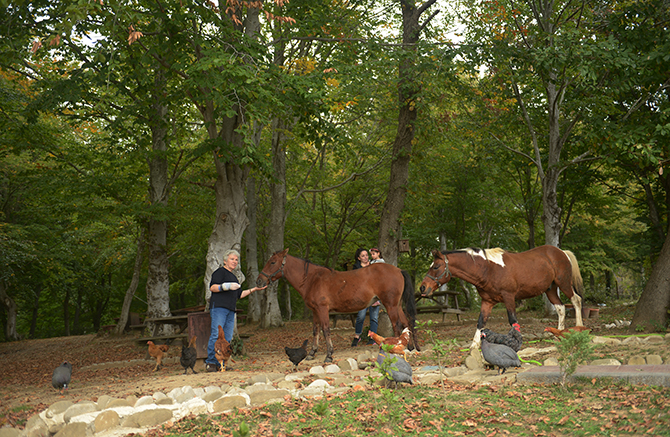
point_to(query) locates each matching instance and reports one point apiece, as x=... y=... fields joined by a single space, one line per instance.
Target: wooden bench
x=160 y=338
x=439 y=307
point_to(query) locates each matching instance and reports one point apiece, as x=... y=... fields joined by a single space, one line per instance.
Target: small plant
x=243 y=430
x=440 y=348
x=321 y=408
x=639 y=328
x=237 y=346
x=574 y=348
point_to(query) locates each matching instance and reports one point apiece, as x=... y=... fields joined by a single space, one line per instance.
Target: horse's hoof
x=328 y=360
x=309 y=357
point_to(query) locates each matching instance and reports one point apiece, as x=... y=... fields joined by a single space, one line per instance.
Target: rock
x=332 y=368
x=78 y=409
x=267 y=396
x=258 y=387
x=103 y=401
x=115 y=403
x=654 y=339
x=636 y=360
x=195 y=406
x=228 y=403
x=131 y=400
x=349 y=364
x=317 y=370
x=605 y=340
x=144 y=400
x=106 y=420
x=146 y=418
x=631 y=340
x=159 y=395
x=606 y=362
x=9 y=432
x=76 y=429
x=654 y=359
x=551 y=361
x=296 y=376
x=212 y=395
x=165 y=401
x=58 y=408
x=255 y=379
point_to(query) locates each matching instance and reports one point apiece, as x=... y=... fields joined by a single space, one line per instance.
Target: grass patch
x=591 y=409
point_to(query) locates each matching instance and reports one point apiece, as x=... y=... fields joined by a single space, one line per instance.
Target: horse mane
x=494 y=255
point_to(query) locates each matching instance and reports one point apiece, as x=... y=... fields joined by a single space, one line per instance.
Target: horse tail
x=577 y=281
x=410 y=306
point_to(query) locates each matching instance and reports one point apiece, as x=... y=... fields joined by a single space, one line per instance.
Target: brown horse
x=501 y=276
x=325 y=290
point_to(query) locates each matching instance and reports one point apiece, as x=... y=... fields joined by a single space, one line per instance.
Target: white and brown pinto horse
x=501 y=276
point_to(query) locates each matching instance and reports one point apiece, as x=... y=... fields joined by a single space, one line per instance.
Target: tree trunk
x=66 y=312
x=270 y=310
x=408 y=89
x=10 y=306
x=36 y=308
x=251 y=237
x=651 y=310
x=158 y=283
x=130 y=292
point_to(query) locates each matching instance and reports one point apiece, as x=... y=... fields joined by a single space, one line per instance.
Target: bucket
x=594 y=313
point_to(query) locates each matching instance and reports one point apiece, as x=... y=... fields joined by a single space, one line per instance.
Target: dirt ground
x=117 y=366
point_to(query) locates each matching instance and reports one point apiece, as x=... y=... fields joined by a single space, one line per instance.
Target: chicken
x=559 y=332
x=222 y=349
x=512 y=339
x=399 y=343
x=296 y=355
x=400 y=370
x=62 y=376
x=188 y=355
x=499 y=355
x=157 y=352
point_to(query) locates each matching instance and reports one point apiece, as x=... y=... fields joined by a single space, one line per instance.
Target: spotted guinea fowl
x=499 y=355
x=62 y=376
x=297 y=354
x=400 y=370
x=512 y=339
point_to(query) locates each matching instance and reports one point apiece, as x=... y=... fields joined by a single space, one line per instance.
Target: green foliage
x=574 y=348
x=242 y=430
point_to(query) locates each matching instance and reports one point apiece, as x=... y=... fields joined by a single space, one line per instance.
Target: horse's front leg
x=315 y=342
x=325 y=327
x=484 y=314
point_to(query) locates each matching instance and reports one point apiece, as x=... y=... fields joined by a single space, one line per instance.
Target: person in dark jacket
x=226 y=290
x=362 y=260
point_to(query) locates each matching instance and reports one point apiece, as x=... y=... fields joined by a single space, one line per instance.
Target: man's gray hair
x=228 y=252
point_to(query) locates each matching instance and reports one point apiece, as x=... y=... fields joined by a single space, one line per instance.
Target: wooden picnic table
x=441 y=307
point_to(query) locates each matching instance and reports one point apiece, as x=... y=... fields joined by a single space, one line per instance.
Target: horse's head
x=437 y=275
x=273 y=269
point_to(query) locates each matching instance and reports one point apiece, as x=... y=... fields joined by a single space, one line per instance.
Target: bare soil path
x=117 y=366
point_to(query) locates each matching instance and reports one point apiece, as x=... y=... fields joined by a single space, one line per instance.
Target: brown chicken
x=559 y=332
x=399 y=343
x=157 y=352
x=222 y=349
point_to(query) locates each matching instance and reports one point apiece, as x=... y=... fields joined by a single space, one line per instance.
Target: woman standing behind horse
x=362 y=260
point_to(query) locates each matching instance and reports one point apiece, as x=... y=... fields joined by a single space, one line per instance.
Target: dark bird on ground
x=188 y=355
x=222 y=350
x=559 y=332
x=158 y=352
x=499 y=355
x=512 y=339
x=400 y=370
x=62 y=376
x=296 y=355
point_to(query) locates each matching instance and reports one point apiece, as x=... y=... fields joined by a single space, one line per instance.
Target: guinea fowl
x=296 y=355
x=499 y=355
x=188 y=355
x=62 y=376
x=400 y=370
x=513 y=338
